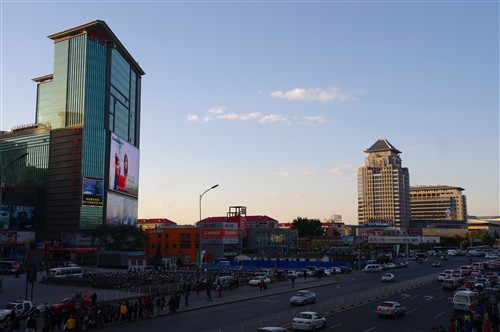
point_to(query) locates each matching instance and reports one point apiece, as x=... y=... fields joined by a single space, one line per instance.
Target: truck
x=22 y=308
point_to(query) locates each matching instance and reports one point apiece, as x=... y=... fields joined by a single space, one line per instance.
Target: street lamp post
x=201 y=196
x=2 y=176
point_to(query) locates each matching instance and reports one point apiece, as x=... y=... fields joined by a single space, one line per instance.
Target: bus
x=66 y=272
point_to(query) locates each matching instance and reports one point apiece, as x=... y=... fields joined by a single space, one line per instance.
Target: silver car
x=390 y=309
x=303 y=297
x=309 y=321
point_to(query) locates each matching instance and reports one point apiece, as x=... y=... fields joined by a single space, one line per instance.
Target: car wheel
x=324 y=325
x=380 y=316
x=314 y=328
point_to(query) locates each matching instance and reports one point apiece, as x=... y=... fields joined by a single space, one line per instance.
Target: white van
x=465 y=300
x=373 y=268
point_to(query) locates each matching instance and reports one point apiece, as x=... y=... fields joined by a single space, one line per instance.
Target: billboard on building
x=4 y=217
x=123 y=166
x=22 y=217
x=404 y=239
x=25 y=237
x=92 y=191
x=121 y=210
x=220 y=235
x=8 y=238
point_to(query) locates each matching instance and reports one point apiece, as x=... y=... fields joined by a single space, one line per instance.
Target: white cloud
x=242 y=117
x=218 y=113
x=217 y=110
x=343 y=170
x=307 y=173
x=274 y=118
x=314 y=120
x=322 y=95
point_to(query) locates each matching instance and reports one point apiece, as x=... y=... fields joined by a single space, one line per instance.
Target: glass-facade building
x=23 y=177
x=91 y=105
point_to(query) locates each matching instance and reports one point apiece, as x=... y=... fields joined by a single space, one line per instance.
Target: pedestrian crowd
x=97 y=314
x=484 y=317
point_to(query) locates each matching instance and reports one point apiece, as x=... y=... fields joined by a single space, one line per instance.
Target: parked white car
x=334 y=270
x=255 y=281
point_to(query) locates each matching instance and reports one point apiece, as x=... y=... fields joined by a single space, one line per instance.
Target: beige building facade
x=383 y=188
x=438 y=203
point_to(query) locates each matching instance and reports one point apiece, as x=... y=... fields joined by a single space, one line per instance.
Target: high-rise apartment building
x=438 y=203
x=90 y=157
x=383 y=188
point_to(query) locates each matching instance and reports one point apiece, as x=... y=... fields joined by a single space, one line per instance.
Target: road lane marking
x=332 y=327
x=404 y=296
x=428 y=297
x=414 y=297
x=371 y=328
x=442 y=313
x=412 y=310
x=439 y=298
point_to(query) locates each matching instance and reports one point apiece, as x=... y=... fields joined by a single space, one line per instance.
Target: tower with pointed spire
x=383 y=188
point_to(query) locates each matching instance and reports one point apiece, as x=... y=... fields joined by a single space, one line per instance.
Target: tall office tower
x=438 y=203
x=383 y=188
x=91 y=102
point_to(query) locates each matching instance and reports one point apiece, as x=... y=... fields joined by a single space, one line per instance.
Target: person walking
x=451 y=326
x=292 y=278
x=16 y=325
x=52 y=321
x=219 y=291
x=186 y=297
x=209 y=295
x=70 y=324
x=123 y=311
x=197 y=287
x=7 y=324
x=94 y=299
x=31 y=324
x=171 y=304
x=487 y=326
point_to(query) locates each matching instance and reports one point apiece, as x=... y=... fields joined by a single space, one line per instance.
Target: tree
x=307 y=227
x=119 y=238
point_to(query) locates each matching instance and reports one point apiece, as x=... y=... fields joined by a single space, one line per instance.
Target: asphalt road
x=348 y=305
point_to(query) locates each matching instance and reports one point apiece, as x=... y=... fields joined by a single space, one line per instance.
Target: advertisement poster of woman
x=124 y=166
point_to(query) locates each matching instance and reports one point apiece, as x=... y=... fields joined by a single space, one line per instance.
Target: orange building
x=181 y=242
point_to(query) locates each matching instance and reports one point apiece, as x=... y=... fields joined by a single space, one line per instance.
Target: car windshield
x=301 y=294
x=461 y=298
x=9 y=306
x=387 y=304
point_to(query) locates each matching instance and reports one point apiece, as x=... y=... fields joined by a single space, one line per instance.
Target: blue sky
x=276 y=101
